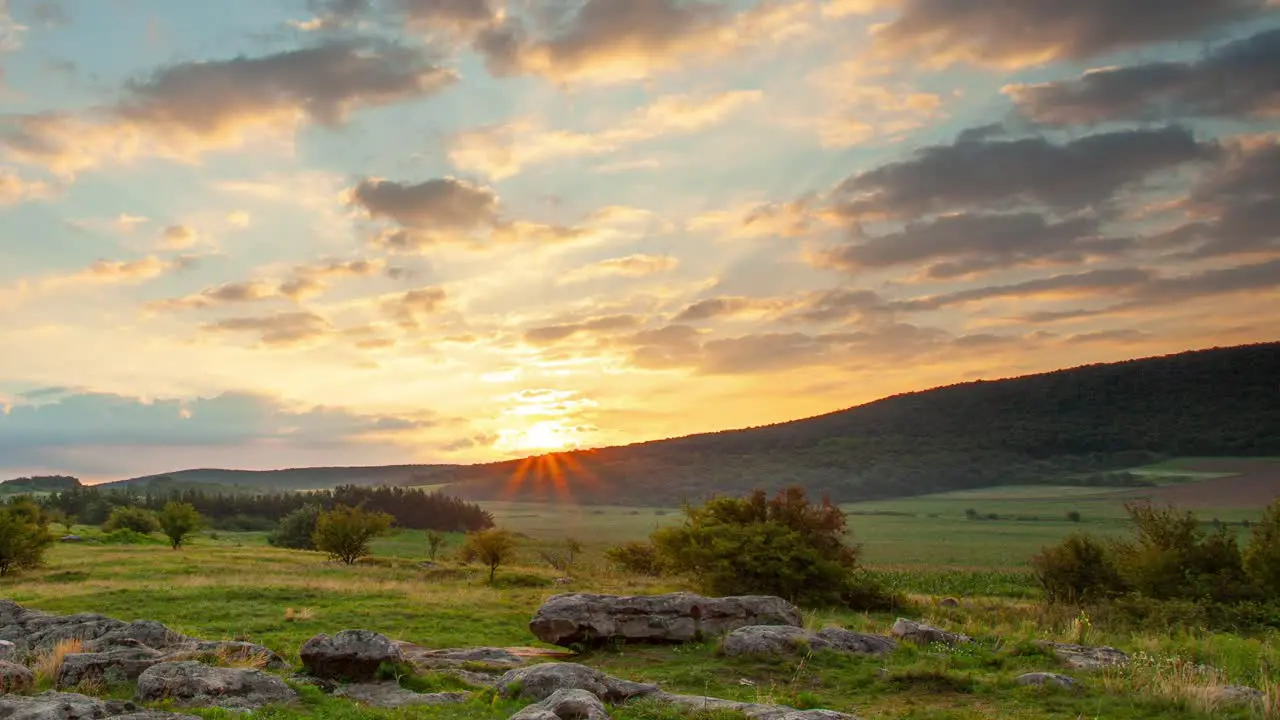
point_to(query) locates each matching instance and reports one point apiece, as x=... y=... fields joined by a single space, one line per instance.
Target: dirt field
x=1255 y=483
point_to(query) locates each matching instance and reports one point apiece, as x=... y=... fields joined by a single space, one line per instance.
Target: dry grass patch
x=49 y=662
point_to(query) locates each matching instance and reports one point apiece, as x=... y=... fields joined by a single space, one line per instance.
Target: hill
x=1071 y=426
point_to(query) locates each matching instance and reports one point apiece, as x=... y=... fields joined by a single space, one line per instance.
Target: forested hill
x=1068 y=424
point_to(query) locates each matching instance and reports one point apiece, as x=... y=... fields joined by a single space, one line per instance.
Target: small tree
x=493 y=547
x=1073 y=516
x=178 y=520
x=636 y=557
x=344 y=532
x=435 y=540
x=1078 y=569
x=132 y=517
x=1262 y=554
x=24 y=536
x=297 y=529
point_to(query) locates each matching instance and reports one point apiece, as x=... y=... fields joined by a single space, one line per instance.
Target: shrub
x=125 y=536
x=179 y=520
x=1262 y=555
x=1073 y=516
x=24 y=536
x=344 y=532
x=636 y=557
x=785 y=546
x=1172 y=557
x=493 y=547
x=296 y=529
x=131 y=517
x=435 y=540
x=1078 y=569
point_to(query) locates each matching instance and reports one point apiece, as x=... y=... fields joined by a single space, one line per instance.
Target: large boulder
x=571 y=618
x=390 y=695
x=120 y=665
x=194 y=684
x=1084 y=657
x=353 y=655
x=755 y=711
x=786 y=639
x=925 y=634
x=62 y=706
x=15 y=678
x=539 y=682
x=565 y=705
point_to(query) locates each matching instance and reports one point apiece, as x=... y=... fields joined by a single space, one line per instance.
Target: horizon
x=321 y=233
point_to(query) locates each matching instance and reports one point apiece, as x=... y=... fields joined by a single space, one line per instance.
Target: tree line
x=411 y=508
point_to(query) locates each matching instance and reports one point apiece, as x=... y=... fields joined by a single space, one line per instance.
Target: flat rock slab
x=15 y=678
x=1239 y=695
x=925 y=634
x=753 y=710
x=565 y=705
x=489 y=657
x=352 y=655
x=572 y=618
x=1086 y=658
x=1047 y=678
x=539 y=682
x=193 y=684
x=62 y=706
x=391 y=695
x=786 y=640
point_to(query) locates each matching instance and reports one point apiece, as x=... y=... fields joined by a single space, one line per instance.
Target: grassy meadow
x=227 y=585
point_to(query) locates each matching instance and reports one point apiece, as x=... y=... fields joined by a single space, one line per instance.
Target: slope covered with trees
x=1064 y=426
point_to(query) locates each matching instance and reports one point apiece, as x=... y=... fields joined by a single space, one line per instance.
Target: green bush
x=344 y=532
x=1078 y=569
x=785 y=546
x=125 y=536
x=296 y=530
x=1262 y=554
x=1172 y=557
x=131 y=517
x=24 y=536
x=636 y=557
x=178 y=520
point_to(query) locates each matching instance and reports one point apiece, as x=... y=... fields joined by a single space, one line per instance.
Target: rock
x=570 y=618
x=61 y=706
x=8 y=651
x=391 y=695
x=565 y=705
x=121 y=665
x=949 y=602
x=498 y=658
x=191 y=683
x=349 y=655
x=153 y=715
x=1086 y=658
x=539 y=682
x=1239 y=695
x=1046 y=678
x=15 y=678
x=32 y=631
x=753 y=710
x=70 y=538
x=925 y=634
x=785 y=639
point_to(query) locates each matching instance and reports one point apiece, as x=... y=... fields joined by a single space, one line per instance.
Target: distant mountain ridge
x=1058 y=426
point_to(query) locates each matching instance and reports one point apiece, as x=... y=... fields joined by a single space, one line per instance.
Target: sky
x=279 y=233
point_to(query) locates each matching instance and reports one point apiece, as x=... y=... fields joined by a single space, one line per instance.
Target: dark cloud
x=278 y=330
x=1087 y=172
x=724 y=307
x=971 y=243
x=1236 y=208
x=768 y=352
x=1238 y=80
x=550 y=334
x=1091 y=283
x=1021 y=33
x=837 y=305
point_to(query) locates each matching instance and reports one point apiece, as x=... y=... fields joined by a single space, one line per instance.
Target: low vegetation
x=345 y=532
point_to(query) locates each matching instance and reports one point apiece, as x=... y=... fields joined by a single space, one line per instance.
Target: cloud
x=280 y=330
x=71 y=429
x=615 y=40
x=996 y=173
x=10 y=32
x=967 y=243
x=551 y=334
x=447 y=210
x=1236 y=209
x=855 y=107
x=303 y=281
x=1013 y=34
x=186 y=109
x=773 y=219
x=461 y=17
x=1092 y=283
x=502 y=150
x=225 y=294
x=14 y=189
x=735 y=306
x=631 y=266
x=333 y=14
x=1240 y=79
x=411 y=309
x=177 y=237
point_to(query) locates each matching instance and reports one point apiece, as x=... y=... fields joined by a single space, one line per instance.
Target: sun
x=544 y=435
